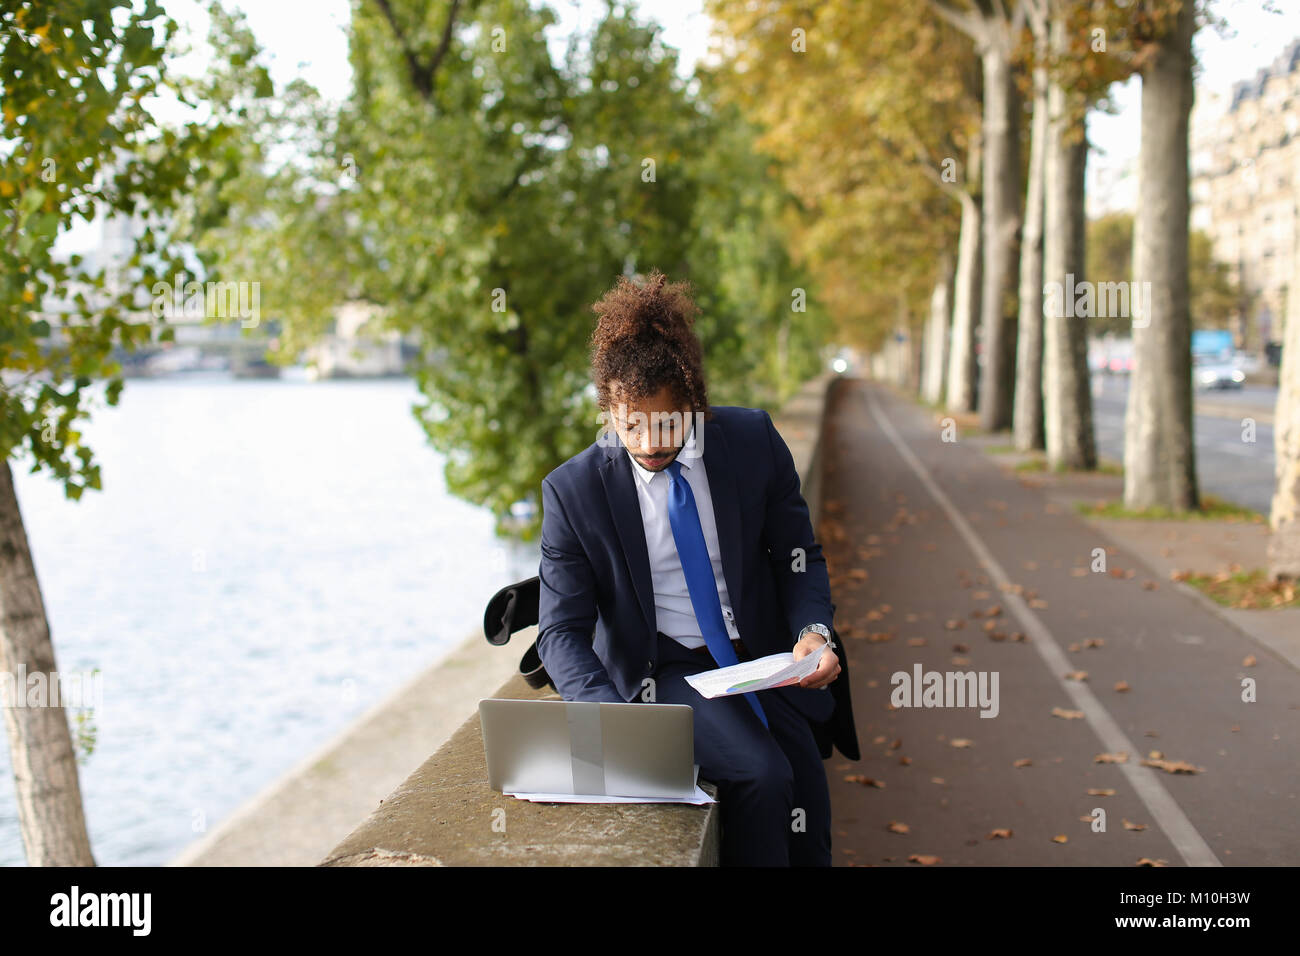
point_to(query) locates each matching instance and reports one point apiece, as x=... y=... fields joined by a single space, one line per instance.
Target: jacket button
x=649 y=666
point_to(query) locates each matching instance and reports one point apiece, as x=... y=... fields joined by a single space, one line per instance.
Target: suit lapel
x=625 y=509
x=726 y=506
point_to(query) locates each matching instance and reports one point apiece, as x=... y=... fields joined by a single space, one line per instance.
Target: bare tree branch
x=422 y=74
x=964 y=20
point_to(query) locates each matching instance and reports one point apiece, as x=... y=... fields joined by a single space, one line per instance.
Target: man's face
x=653 y=429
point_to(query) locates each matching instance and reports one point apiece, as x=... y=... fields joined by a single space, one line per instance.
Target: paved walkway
x=942 y=559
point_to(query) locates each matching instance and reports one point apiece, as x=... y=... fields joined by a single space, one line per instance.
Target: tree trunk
x=936 y=334
x=965 y=299
x=1001 y=210
x=904 y=348
x=40 y=744
x=916 y=357
x=1159 y=448
x=1067 y=395
x=1284 y=545
x=1028 y=421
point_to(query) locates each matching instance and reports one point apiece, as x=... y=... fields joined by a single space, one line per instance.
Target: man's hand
x=828 y=668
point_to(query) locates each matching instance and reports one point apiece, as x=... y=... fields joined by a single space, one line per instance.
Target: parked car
x=1214 y=372
x=1119 y=358
x=1248 y=362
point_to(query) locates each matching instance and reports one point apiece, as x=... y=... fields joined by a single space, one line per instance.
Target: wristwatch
x=821 y=629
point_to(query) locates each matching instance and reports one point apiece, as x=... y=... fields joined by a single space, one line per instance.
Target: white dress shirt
x=674 y=613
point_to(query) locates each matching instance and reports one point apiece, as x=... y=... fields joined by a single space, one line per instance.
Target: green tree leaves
x=75 y=136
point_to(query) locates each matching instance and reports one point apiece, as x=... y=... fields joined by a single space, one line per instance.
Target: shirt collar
x=687 y=457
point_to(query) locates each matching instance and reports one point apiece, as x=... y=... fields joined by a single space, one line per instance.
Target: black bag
x=511 y=609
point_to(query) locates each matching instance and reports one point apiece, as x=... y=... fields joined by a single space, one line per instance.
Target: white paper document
x=698 y=798
x=775 y=670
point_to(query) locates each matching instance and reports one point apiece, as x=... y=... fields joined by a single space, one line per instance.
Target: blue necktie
x=688 y=535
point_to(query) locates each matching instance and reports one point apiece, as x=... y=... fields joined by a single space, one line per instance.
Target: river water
x=266 y=561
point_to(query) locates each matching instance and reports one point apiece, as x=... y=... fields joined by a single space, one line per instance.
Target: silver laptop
x=589 y=747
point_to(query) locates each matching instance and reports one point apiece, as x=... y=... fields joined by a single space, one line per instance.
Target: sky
x=308 y=38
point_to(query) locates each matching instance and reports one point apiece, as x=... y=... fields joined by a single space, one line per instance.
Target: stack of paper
x=775 y=670
x=698 y=798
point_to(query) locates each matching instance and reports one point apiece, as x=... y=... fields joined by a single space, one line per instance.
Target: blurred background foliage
x=480 y=197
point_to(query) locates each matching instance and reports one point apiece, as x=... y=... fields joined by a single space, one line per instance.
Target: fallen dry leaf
x=1248 y=661
x=938 y=780
x=1067 y=714
x=1120 y=757
x=1133 y=826
x=1062 y=838
x=1147 y=862
x=1023 y=762
x=954 y=624
x=1077 y=675
x=999 y=835
x=896 y=827
x=924 y=859
x=1094 y=642
x=961 y=742
x=960 y=648
x=865 y=781
x=1121 y=686
x=1173 y=766
x=916 y=642
x=1100 y=792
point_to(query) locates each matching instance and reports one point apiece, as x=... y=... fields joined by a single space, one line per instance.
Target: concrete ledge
x=445 y=814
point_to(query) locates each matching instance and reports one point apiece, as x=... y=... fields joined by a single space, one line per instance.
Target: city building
x=1245 y=165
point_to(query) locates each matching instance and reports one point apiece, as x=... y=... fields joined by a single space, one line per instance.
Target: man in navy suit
x=680 y=537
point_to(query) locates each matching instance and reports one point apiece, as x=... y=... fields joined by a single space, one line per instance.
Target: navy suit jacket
x=596 y=613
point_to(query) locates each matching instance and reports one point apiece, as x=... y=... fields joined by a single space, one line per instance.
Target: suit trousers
x=763 y=775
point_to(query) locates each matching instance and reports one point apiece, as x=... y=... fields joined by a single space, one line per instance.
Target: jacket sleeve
x=567 y=610
x=802 y=584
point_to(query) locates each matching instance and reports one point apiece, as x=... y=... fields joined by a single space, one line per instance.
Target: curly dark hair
x=643 y=341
